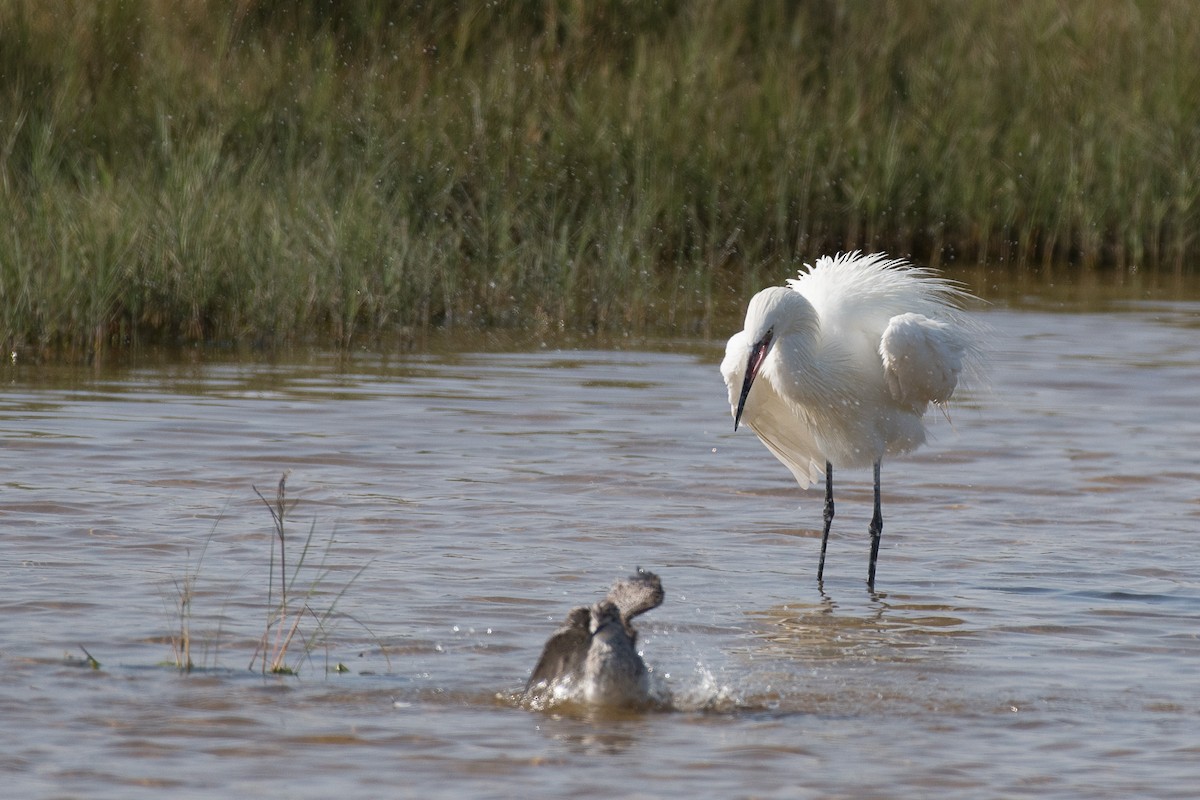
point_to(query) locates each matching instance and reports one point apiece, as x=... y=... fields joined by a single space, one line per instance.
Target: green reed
x=254 y=171
x=302 y=598
x=292 y=616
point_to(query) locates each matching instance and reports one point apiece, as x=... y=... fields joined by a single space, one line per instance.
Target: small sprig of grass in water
x=287 y=611
x=185 y=590
x=88 y=661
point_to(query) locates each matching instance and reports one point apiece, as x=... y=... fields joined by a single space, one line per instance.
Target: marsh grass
x=256 y=172
x=88 y=659
x=302 y=606
x=185 y=587
x=293 y=616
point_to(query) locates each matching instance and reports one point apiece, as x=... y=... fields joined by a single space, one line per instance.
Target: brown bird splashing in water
x=592 y=658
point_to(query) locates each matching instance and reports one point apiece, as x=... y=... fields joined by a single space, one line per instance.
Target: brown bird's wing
x=565 y=650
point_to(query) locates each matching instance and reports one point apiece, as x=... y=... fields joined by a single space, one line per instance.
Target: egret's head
x=766 y=320
x=778 y=310
x=758 y=354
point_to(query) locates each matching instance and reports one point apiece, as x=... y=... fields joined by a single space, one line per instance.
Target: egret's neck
x=809 y=367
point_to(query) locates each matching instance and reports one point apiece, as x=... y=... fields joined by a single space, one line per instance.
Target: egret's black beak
x=758 y=354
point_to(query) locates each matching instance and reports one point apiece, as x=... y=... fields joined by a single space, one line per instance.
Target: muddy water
x=1034 y=633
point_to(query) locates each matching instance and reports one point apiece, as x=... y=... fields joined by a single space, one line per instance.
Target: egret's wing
x=786 y=435
x=922 y=359
x=776 y=421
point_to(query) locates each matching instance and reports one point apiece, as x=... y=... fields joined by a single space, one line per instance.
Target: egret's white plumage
x=839 y=367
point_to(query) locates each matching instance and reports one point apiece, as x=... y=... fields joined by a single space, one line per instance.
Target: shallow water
x=1034 y=632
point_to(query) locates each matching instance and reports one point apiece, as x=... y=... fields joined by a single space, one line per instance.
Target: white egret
x=839 y=367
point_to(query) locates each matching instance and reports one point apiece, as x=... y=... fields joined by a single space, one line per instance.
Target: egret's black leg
x=828 y=518
x=876 y=532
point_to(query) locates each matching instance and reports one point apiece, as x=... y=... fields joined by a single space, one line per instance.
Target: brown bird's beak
x=758 y=354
